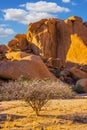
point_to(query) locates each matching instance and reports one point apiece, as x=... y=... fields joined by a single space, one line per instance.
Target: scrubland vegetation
x=36 y=92
x=40 y=105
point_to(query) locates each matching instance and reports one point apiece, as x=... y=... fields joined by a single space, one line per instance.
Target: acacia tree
x=36 y=92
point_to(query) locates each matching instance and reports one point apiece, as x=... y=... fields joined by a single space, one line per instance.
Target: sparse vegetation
x=56 y=115
x=37 y=92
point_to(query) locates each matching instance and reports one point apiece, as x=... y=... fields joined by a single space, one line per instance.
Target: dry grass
x=35 y=92
x=56 y=115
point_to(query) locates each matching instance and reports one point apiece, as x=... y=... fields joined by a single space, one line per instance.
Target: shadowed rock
x=83 y=84
x=19 y=43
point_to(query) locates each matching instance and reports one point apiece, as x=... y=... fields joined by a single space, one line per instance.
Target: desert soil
x=55 y=115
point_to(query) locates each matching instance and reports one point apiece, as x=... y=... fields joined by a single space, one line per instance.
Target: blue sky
x=15 y=15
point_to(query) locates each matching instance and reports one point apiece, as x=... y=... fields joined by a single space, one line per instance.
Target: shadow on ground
x=10 y=117
x=75 y=118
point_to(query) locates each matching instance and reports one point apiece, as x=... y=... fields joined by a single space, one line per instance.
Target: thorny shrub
x=35 y=92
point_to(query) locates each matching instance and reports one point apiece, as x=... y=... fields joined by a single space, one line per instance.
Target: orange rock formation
x=19 y=43
x=64 y=39
x=28 y=67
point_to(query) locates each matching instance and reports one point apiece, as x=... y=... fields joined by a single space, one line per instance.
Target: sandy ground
x=55 y=115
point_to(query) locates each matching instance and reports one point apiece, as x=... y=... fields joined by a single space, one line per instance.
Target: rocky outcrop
x=66 y=76
x=19 y=43
x=16 y=55
x=59 y=43
x=3 y=50
x=85 y=24
x=55 y=63
x=77 y=52
x=50 y=37
x=28 y=67
x=64 y=39
x=76 y=72
x=82 y=83
x=83 y=68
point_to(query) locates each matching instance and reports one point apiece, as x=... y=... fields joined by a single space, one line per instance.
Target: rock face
x=83 y=68
x=28 y=67
x=3 y=50
x=54 y=63
x=83 y=84
x=49 y=37
x=78 y=73
x=16 y=55
x=58 y=43
x=56 y=38
x=19 y=43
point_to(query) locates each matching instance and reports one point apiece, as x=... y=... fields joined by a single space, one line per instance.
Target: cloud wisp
x=66 y=1
x=32 y=12
x=44 y=6
x=5 y=32
x=3 y=25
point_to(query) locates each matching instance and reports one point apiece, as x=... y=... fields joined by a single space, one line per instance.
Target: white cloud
x=66 y=1
x=14 y=14
x=24 y=17
x=3 y=25
x=5 y=32
x=34 y=16
x=69 y=1
x=43 y=6
x=33 y=12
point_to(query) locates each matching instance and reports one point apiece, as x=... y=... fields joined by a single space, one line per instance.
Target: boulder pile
x=49 y=45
